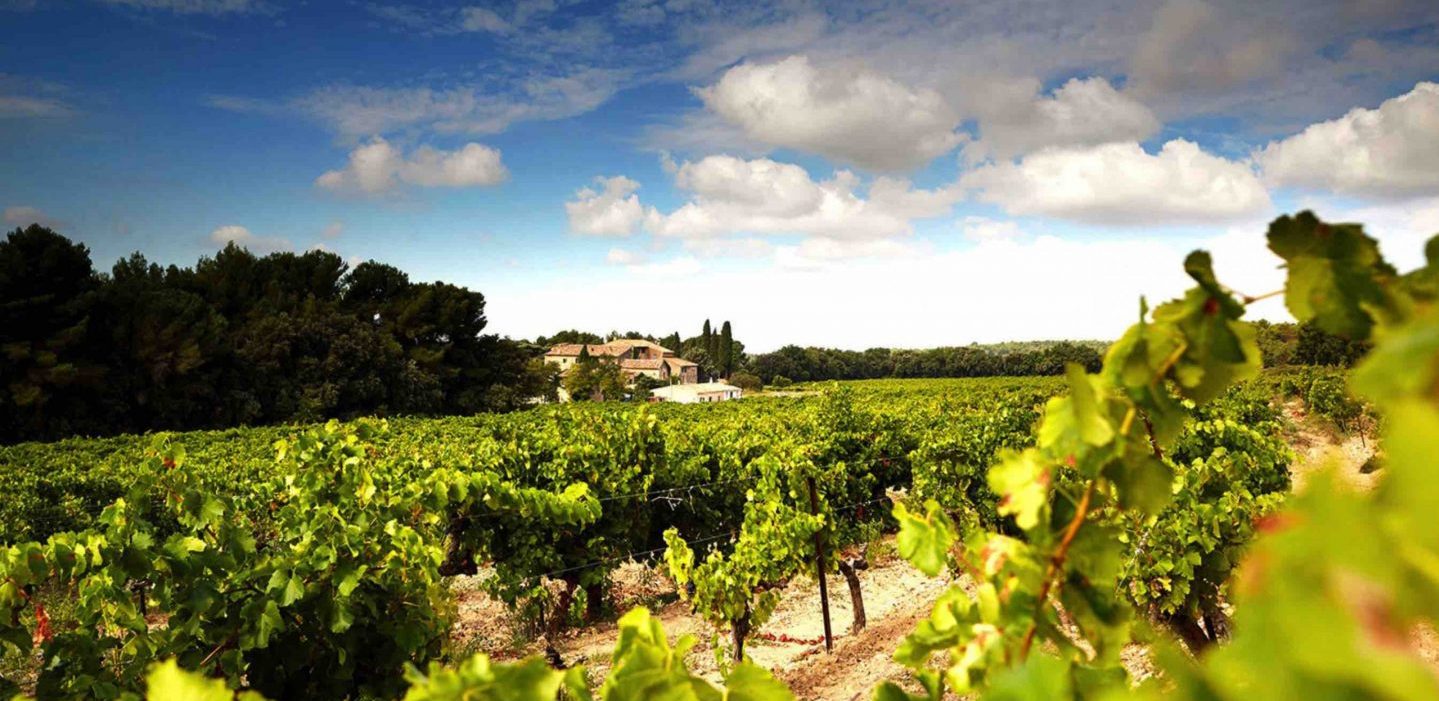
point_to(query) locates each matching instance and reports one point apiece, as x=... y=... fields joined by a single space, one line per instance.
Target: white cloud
x=356 y=111
x=481 y=19
x=1122 y=184
x=379 y=167
x=986 y=229
x=742 y=247
x=28 y=98
x=1017 y=287
x=614 y=210
x=896 y=294
x=22 y=106
x=25 y=216
x=333 y=230
x=844 y=112
x=680 y=267
x=638 y=264
x=731 y=195
x=620 y=256
x=1389 y=151
x=1084 y=112
x=1193 y=46
x=826 y=254
x=240 y=236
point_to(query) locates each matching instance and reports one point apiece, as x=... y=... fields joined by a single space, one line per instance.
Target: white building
x=696 y=393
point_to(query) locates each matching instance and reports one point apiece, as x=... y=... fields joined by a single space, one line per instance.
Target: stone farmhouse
x=635 y=358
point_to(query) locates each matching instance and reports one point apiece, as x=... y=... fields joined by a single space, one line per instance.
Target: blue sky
x=849 y=174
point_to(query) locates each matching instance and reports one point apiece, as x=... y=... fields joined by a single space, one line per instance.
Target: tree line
x=237 y=339
x=799 y=364
x=1280 y=344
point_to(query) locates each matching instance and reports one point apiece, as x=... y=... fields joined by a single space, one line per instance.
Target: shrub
x=746 y=381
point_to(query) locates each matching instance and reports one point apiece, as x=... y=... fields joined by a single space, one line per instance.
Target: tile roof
x=633 y=342
x=640 y=364
x=601 y=349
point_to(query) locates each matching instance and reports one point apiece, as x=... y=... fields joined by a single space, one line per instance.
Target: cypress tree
x=707 y=342
x=726 y=351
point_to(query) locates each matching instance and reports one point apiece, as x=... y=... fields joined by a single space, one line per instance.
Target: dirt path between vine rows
x=896 y=597
x=1318 y=446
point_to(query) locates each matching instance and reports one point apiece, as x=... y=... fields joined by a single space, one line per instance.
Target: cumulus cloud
x=240 y=236
x=1122 y=184
x=1082 y=112
x=25 y=216
x=613 y=210
x=379 y=167
x=1194 y=46
x=730 y=195
x=843 y=112
x=1392 y=150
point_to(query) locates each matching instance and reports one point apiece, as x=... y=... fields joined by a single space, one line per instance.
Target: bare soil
x=1318 y=445
x=896 y=597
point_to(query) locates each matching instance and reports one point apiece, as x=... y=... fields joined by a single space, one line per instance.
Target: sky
x=846 y=174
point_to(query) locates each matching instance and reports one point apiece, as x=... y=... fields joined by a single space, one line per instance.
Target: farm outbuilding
x=697 y=393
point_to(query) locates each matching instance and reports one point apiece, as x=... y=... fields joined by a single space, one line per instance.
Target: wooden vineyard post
x=819 y=564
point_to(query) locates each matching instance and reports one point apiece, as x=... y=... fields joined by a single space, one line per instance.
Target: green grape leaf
x=1039 y=678
x=1336 y=275
x=1139 y=362
x=1076 y=424
x=167 y=682
x=480 y=679
x=1022 y=481
x=924 y=540
x=1219 y=350
x=938 y=632
x=750 y=682
x=1142 y=481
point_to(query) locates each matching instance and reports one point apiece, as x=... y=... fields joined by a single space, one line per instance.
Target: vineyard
x=1149 y=502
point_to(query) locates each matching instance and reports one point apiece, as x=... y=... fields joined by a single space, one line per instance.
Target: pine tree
x=726 y=350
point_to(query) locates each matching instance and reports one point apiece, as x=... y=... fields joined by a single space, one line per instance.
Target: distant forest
x=235 y=340
x=1280 y=345
x=240 y=339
